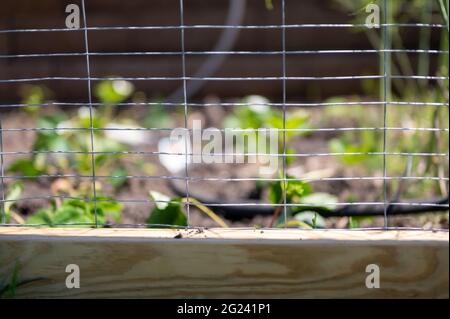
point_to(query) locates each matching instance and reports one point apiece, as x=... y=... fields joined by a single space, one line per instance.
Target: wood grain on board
x=238 y=263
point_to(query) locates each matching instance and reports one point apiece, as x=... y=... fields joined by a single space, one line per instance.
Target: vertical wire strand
x=448 y=68
x=91 y=111
x=446 y=10
x=185 y=102
x=2 y=168
x=283 y=39
x=386 y=88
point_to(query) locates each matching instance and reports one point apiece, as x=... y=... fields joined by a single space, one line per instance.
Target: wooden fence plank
x=51 y=14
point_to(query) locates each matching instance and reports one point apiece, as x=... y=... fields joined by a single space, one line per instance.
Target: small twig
x=17 y=218
x=275 y=216
x=207 y=211
x=401 y=185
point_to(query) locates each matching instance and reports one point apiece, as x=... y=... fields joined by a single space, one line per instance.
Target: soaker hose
x=245 y=211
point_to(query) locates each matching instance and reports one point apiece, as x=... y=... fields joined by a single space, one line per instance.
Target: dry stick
x=17 y=218
x=206 y=210
x=401 y=186
x=275 y=215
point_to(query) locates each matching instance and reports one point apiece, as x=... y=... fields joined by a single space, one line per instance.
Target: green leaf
x=8 y=290
x=78 y=212
x=41 y=217
x=159 y=117
x=107 y=206
x=113 y=92
x=269 y=4
x=168 y=212
x=311 y=218
x=120 y=180
x=294 y=121
x=33 y=95
x=25 y=167
x=276 y=193
x=290 y=159
x=13 y=194
x=51 y=121
x=294 y=191
x=320 y=200
x=69 y=213
x=342 y=147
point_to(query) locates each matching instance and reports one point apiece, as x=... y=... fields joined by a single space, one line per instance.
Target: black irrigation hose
x=246 y=212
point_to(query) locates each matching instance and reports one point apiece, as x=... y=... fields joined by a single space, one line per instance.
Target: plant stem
x=207 y=211
x=275 y=215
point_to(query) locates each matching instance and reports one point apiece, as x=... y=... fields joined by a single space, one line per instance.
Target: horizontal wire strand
x=231 y=130
x=262 y=78
x=177 y=53
x=211 y=26
x=227 y=154
x=222 y=104
x=219 y=179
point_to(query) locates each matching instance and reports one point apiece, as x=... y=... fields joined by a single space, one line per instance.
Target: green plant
x=358 y=142
x=63 y=145
x=12 y=195
x=9 y=285
x=170 y=211
x=269 y=4
x=113 y=92
x=78 y=212
x=167 y=211
x=72 y=136
x=76 y=147
x=256 y=113
x=159 y=116
x=404 y=89
x=33 y=96
x=301 y=193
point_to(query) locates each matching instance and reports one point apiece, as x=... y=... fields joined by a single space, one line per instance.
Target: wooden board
x=237 y=263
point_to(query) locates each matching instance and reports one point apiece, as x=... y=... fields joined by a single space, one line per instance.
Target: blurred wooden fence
x=23 y=14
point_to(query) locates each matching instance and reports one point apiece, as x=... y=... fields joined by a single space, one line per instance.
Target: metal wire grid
x=284 y=105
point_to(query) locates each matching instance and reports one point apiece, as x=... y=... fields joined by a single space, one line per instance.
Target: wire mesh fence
x=117 y=158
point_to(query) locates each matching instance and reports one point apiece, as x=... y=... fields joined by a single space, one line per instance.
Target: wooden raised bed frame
x=236 y=263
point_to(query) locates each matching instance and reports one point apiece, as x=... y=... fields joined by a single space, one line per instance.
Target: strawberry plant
x=78 y=212
x=71 y=135
x=170 y=211
x=311 y=204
